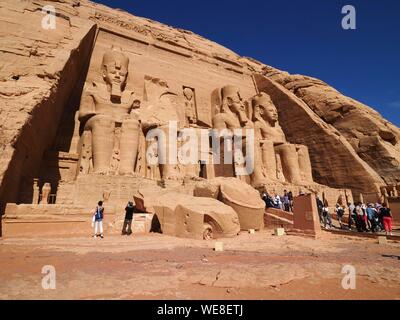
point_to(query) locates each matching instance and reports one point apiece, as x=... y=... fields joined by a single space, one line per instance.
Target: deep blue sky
x=300 y=36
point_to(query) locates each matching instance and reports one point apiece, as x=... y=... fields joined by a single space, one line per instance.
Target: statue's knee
x=105 y=120
x=131 y=124
x=100 y=121
x=285 y=148
x=303 y=150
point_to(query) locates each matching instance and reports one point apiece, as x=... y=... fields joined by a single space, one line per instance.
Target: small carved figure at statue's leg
x=129 y=146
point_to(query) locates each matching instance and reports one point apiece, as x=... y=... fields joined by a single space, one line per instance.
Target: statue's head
x=264 y=107
x=231 y=99
x=188 y=93
x=115 y=70
x=136 y=104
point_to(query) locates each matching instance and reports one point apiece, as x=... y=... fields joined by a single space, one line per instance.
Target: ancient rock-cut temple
x=79 y=101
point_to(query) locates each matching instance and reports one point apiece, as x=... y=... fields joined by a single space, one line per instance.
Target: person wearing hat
x=129 y=210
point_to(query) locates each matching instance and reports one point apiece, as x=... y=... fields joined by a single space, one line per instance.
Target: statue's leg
x=226 y=166
x=167 y=157
x=102 y=128
x=304 y=163
x=290 y=163
x=258 y=177
x=129 y=146
x=269 y=159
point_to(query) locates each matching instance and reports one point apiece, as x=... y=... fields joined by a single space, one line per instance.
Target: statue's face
x=267 y=110
x=115 y=73
x=236 y=104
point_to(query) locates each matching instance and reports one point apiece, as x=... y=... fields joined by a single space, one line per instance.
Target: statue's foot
x=173 y=177
x=102 y=171
x=193 y=177
x=129 y=173
x=297 y=182
x=263 y=182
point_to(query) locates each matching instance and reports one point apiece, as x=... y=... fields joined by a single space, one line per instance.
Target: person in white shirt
x=327 y=217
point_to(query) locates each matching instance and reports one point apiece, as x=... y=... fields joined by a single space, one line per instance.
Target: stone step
x=272 y=221
x=281 y=213
x=396 y=236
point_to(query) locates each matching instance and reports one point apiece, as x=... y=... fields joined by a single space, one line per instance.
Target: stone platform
x=87 y=190
x=67 y=220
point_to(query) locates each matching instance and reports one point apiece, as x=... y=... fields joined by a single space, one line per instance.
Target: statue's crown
x=115 y=54
x=229 y=91
x=261 y=97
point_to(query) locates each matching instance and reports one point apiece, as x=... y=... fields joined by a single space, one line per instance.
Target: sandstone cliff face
x=373 y=138
x=38 y=71
x=42 y=71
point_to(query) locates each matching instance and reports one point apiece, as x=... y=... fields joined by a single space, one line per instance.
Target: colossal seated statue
x=162 y=118
x=109 y=113
x=232 y=120
x=272 y=144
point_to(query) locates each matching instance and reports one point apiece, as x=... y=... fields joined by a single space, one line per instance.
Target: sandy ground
x=155 y=266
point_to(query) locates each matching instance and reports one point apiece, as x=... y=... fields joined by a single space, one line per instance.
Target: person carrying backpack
x=371 y=214
x=97 y=220
x=339 y=212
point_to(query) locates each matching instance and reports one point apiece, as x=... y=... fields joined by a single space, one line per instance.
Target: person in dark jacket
x=129 y=210
x=371 y=215
x=386 y=215
x=269 y=202
x=320 y=205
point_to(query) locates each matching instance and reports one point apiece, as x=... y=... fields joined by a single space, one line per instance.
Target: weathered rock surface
x=187 y=216
x=239 y=195
x=374 y=139
x=39 y=69
x=43 y=72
